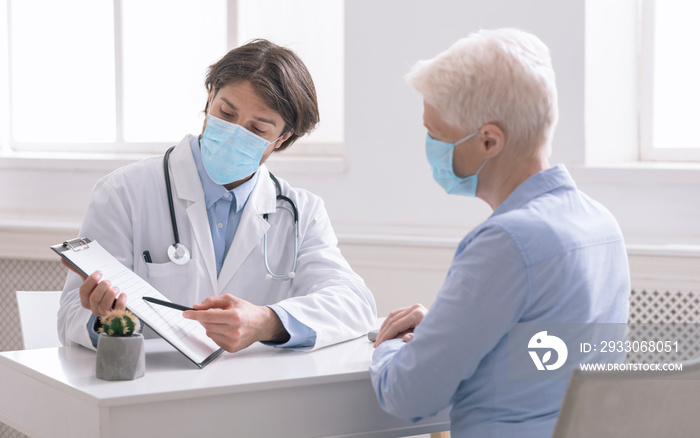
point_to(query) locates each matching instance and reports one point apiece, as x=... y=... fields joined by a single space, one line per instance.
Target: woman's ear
x=492 y=140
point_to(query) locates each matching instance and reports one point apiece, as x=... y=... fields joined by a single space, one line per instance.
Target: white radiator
x=22 y=274
x=665 y=316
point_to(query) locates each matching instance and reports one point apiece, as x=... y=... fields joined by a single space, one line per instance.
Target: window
x=128 y=75
x=316 y=34
x=670 y=89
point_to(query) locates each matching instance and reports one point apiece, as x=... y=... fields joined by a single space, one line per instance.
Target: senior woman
x=547 y=254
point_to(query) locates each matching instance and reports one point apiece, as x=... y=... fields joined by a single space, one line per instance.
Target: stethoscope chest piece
x=179 y=254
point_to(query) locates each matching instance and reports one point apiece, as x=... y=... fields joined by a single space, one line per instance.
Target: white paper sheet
x=188 y=336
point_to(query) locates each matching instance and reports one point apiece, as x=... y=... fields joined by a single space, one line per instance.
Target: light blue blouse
x=548 y=254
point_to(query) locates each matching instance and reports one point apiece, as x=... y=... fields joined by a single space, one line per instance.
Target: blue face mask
x=440 y=155
x=229 y=151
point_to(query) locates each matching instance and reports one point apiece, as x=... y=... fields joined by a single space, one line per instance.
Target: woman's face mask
x=440 y=155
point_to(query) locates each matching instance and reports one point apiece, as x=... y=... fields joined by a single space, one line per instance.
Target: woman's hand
x=400 y=323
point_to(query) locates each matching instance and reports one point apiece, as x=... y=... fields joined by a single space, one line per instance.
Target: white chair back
x=38 y=316
x=631 y=404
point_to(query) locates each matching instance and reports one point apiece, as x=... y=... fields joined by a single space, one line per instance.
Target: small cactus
x=118 y=323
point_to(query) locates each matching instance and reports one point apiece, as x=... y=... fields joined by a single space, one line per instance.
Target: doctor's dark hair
x=278 y=76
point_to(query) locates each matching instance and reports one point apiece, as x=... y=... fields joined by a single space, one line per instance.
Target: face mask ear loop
x=273 y=141
x=481 y=167
x=467 y=137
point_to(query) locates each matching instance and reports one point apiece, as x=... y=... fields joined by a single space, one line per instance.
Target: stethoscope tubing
x=294 y=211
x=168 y=188
x=179 y=248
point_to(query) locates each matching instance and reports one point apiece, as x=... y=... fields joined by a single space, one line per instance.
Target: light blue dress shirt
x=548 y=254
x=224 y=207
x=224 y=210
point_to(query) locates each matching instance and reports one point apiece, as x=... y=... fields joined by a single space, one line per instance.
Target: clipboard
x=187 y=336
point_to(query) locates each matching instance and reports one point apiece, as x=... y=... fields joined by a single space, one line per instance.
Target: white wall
x=396 y=226
x=388 y=177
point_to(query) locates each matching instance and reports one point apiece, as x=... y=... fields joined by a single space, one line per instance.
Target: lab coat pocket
x=170 y=279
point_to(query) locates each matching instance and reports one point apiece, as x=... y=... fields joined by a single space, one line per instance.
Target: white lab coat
x=128 y=214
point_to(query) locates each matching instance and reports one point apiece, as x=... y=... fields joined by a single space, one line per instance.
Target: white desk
x=261 y=392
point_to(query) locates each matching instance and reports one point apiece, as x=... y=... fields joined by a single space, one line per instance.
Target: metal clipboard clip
x=77 y=244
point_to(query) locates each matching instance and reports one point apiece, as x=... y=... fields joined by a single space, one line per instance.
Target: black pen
x=147 y=259
x=166 y=303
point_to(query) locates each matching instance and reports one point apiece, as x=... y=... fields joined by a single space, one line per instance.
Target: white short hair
x=502 y=76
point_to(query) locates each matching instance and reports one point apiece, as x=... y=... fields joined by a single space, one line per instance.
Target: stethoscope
x=180 y=255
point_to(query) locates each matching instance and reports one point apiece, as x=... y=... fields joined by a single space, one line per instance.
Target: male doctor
x=260 y=99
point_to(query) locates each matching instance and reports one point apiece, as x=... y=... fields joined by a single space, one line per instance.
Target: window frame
x=648 y=151
x=303 y=150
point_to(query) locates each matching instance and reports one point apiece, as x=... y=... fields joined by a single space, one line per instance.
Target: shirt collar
x=213 y=191
x=538 y=184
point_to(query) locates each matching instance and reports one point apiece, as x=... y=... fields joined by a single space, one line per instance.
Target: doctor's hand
x=400 y=323
x=235 y=324
x=98 y=296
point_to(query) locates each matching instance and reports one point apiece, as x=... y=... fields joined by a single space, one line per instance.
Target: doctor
x=229 y=243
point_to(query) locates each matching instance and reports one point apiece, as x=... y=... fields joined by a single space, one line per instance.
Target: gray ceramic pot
x=120 y=357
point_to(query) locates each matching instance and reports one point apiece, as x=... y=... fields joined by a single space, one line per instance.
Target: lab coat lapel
x=186 y=187
x=251 y=228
